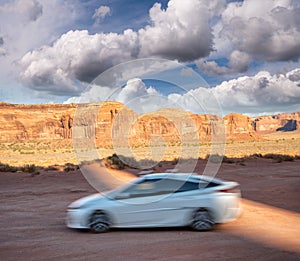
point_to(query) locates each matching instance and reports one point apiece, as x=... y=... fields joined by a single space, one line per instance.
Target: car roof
x=182 y=176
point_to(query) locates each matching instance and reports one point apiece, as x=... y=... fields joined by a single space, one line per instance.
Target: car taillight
x=231 y=190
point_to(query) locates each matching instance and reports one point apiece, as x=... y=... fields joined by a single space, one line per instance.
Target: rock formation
x=279 y=122
x=239 y=127
x=35 y=122
x=113 y=124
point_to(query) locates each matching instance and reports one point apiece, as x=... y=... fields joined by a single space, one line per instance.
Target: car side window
x=152 y=187
x=144 y=188
x=187 y=186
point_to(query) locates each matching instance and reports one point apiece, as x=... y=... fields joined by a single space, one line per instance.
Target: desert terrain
x=33 y=211
x=49 y=134
x=40 y=177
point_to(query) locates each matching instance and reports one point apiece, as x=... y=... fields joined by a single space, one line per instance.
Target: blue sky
x=247 y=51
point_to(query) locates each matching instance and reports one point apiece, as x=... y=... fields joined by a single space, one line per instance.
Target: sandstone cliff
x=279 y=122
x=35 y=122
x=101 y=124
x=239 y=127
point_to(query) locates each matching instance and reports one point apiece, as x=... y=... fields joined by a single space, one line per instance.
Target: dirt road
x=32 y=213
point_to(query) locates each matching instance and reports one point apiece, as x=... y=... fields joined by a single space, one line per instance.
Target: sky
x=247 y=53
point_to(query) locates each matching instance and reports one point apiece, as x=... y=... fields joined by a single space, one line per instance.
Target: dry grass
x=47 y=153
x=30 y=168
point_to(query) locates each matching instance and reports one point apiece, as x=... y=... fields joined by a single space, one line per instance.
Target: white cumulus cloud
x=101 y=13
x=134 y=89
x=238 y=62
x=76 y=55
x=186 y=31
x=135 y=95
x=262 y=92
x=29 y=10
x=180 y=32
x=267 y=30
x=254 y=30
x=28 y=25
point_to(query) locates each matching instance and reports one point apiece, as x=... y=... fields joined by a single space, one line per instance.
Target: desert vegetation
x=29 y=168
x=32 y=168
x=120 y=162
x=16 y=155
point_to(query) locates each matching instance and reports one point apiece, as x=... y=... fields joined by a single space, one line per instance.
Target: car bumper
x=76 y=218
x=232 y=214
x=227 y=208
x=233 y=211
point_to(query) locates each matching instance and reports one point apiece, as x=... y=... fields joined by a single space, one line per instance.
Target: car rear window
x=187 y=186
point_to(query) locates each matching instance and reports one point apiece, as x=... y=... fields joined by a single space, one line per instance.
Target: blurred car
x=159 y=200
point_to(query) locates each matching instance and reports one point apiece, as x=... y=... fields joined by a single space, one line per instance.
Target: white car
x=159 y=200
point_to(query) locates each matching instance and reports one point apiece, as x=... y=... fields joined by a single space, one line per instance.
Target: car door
x=136 y=205
x=155 y=202
x=175 y=207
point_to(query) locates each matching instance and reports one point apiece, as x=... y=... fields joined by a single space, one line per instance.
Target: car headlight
x=76 y=207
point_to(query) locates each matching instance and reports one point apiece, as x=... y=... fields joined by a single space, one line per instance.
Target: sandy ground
x=33 y=210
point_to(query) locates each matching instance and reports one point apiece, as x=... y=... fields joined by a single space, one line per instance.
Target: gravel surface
x=33 y=210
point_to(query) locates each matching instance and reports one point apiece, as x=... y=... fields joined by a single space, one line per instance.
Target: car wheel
x=99 y=222
x=202 y=220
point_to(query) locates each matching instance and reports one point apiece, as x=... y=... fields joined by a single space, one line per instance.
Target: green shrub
x=30 y=168
x=52 y=168
x=279 y=157
x=214 y=158
x=114 y=162
x=7 y=168
x=257 y=155
x=70 y=167
x=229 y=160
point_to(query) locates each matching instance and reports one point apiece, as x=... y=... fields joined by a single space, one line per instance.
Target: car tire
x=99 y=222
x=202 y=220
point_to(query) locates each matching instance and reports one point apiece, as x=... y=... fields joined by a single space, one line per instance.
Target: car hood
x=86 y=200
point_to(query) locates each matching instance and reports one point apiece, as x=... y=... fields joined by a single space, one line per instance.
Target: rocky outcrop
x=175 y=127
x=113 y=124
x=239 y=127
x=210 y=127
x=279 y=122
x=156 y=128
x=56 y=121
x=35 y=122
